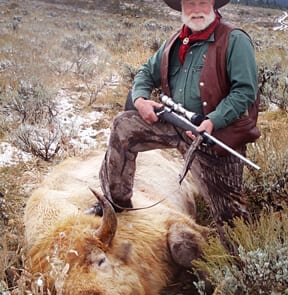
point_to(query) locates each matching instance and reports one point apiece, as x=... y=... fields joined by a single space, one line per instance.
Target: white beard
x=196 y=25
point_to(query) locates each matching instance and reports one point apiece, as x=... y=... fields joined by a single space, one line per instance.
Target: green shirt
x=184 y=79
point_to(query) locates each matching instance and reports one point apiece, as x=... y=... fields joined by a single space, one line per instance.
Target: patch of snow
x=10 y=155
x=75 y=125
x=282 y=20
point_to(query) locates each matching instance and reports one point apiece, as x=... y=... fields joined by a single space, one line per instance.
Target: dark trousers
x=219 y=179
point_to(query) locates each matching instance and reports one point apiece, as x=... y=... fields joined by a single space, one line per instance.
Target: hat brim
x=176 y=4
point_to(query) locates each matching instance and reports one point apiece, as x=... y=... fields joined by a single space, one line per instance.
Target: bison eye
x=101 y=261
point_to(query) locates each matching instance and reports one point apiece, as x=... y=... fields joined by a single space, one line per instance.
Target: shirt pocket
x=173 y=76
x=193 y=77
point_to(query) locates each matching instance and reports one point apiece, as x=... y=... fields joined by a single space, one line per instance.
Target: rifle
x=178 y=116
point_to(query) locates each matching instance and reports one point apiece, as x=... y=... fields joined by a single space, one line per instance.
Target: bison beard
x=136 y=253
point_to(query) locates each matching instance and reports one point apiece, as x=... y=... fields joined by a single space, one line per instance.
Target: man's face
x=198 y=14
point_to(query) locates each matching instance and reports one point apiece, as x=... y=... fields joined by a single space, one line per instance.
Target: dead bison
x=131 y=253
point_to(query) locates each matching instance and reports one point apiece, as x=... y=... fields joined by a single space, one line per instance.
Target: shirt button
x=201 y=84
x=180 y=90
x=205 y=103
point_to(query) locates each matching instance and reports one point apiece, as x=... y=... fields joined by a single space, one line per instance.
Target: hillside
x=72 y=66
x=281 y=4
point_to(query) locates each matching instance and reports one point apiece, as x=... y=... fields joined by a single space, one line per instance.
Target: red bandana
x=187 y=37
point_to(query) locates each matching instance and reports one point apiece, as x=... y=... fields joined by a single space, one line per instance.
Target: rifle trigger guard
x=159 y=111
x=206 y=140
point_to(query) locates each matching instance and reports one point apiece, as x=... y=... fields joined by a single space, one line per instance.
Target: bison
x=132 y=252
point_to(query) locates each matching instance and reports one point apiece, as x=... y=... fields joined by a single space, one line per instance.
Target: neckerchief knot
x=188 y=37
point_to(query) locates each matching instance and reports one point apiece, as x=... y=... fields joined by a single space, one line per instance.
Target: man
x=210 y=69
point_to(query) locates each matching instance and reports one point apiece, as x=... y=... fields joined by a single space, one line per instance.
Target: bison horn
x=107 y=229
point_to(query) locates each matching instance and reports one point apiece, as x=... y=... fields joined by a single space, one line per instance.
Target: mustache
x=196 y=15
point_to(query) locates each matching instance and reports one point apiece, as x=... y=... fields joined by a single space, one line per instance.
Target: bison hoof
x=184 y=244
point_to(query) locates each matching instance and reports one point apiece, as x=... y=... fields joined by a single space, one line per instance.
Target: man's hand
x=146 y=109
x=206 y=125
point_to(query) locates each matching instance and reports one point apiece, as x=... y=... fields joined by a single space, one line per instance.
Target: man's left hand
x=207 y=126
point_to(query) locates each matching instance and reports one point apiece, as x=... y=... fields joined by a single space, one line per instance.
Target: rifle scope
x=194 y=118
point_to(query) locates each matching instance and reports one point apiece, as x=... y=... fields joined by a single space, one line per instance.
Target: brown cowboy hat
x=176 y=4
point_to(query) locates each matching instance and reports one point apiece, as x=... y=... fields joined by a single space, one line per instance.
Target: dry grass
x=96 y=54
x=268 y=187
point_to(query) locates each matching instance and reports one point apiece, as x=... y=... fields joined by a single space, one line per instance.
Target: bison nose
x=107 y=229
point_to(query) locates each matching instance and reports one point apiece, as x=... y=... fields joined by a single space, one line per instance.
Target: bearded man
x=209 y=68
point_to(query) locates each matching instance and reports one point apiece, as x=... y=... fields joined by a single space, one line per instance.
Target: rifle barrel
x=230 y=150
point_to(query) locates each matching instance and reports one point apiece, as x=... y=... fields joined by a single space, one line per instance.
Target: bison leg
x=184 y=243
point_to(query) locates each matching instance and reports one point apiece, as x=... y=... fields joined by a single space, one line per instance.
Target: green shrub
x=261 y=266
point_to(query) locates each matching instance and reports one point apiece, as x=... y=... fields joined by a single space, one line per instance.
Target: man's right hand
x=146 y=109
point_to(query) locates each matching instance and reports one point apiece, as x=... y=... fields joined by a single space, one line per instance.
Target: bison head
x=76 y=258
